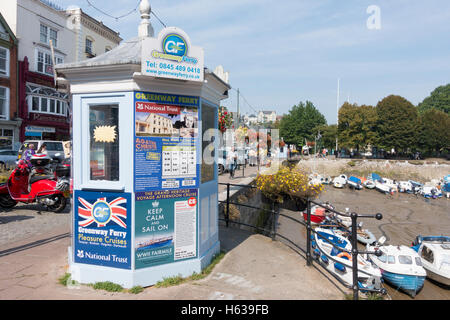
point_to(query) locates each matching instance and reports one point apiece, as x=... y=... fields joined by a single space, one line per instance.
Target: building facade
x=48 y=37
x=267 y=116
x=9 y=121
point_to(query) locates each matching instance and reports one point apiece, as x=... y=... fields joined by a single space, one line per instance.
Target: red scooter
x=30 y=185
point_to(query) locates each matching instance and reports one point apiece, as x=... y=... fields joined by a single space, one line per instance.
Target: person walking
x=232 y=159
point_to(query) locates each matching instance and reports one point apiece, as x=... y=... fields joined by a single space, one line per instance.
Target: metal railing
x=275 y=213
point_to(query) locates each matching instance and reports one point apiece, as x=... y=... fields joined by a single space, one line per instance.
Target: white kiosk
x=145 y=204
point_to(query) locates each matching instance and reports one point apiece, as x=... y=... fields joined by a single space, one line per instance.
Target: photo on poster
x=166 y=227
x=154 y=120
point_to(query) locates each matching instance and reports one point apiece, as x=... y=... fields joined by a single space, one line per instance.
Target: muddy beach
x=404 y=217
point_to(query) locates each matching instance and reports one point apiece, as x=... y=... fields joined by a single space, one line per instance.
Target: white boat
x=332 y=251
x=400 y=266
x=340 y=181
x=434 y=252
x=369 y=184
x=391 y=183
x=382 y=187
x=326 y=180
x=315 y=179
x=429 y=191
x=405 y=186
x=355 y=183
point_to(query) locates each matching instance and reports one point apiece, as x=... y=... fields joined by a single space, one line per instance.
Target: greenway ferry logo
x=175 y=48
x=102 y=212
x=171 y=55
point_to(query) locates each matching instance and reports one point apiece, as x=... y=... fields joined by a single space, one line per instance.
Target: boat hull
x=438 y=277
x=410 y=284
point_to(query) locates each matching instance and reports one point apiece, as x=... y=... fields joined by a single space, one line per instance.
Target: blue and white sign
x=102 y=230
x=171 y=55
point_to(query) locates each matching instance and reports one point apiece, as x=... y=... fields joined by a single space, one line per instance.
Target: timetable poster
x=166 y=136
x=166 y=226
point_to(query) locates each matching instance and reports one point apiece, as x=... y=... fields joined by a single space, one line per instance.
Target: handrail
x=309 y=259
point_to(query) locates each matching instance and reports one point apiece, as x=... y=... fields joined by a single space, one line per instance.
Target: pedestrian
x=232 y=159
x=43 y=149
x=28 y=153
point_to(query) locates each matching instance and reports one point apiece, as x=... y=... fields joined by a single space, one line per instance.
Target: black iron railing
x=275 y=213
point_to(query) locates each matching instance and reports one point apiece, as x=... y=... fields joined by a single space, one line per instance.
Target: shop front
x=44 y=109
x=145 y=203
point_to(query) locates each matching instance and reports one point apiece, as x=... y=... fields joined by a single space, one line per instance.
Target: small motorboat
x=340 y=181
x=434 y=251
x=342 y=226
x=391 y=183
x=430 y=192
x=416 y=186
x=374 y=177
x=405 y=186
x=364 y=235
x=326 y=180
x=400 y=266
x=382 y=187
x=369 y=184
x=317 y=215
x=315 y=179
x=355 y=183
x=332 y=252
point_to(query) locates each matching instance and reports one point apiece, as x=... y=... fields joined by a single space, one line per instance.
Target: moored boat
x=340 y=181
x=400 y=266
x=434 y=251
x=355 y=183
x=332 y=251
x=317 y=215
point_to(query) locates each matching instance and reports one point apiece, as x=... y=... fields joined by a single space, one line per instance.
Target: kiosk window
x=208 y=122
x=104 y=142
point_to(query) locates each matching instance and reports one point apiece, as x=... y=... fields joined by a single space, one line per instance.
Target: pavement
x=254 y=268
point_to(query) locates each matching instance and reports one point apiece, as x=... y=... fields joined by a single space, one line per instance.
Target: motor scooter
x=31 y=184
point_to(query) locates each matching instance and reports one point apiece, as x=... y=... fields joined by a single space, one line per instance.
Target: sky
x=280 y=53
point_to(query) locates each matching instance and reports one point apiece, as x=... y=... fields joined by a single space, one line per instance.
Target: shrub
x=287 y=182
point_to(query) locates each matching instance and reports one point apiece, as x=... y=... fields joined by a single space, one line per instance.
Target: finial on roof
x=145 y=27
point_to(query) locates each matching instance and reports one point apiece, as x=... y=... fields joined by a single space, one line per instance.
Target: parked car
x=55 y=149
x=63 y=168
x=8 y=158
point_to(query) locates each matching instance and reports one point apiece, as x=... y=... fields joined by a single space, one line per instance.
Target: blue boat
x=354 y=182
x=401 y=267
x=374 y=177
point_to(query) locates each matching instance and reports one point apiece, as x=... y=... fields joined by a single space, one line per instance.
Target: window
x=4 y=62
x=44 y=32
x=208 y=122
x=104 y=142
x=427 y=254
x=405 y=259
x=418 y=261
x=107 y=49
x=4 y=103
x=44 y=63
x=382 y=258
x=47 y=33
x=391 y=259
x=47 y=105
x=54 y=37
x=88 y=46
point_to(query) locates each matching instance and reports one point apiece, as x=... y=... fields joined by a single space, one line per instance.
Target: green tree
x=397 y=124
x=439 y=99
x=328 y=133
x=434 y=131
x=300 y=122
x=357 y=126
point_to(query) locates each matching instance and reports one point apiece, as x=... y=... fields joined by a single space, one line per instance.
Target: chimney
x=145 y=27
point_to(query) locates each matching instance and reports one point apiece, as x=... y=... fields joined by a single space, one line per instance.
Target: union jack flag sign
x=102 y=212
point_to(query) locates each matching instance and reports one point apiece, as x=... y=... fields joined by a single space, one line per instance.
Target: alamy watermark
x=374 y=20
